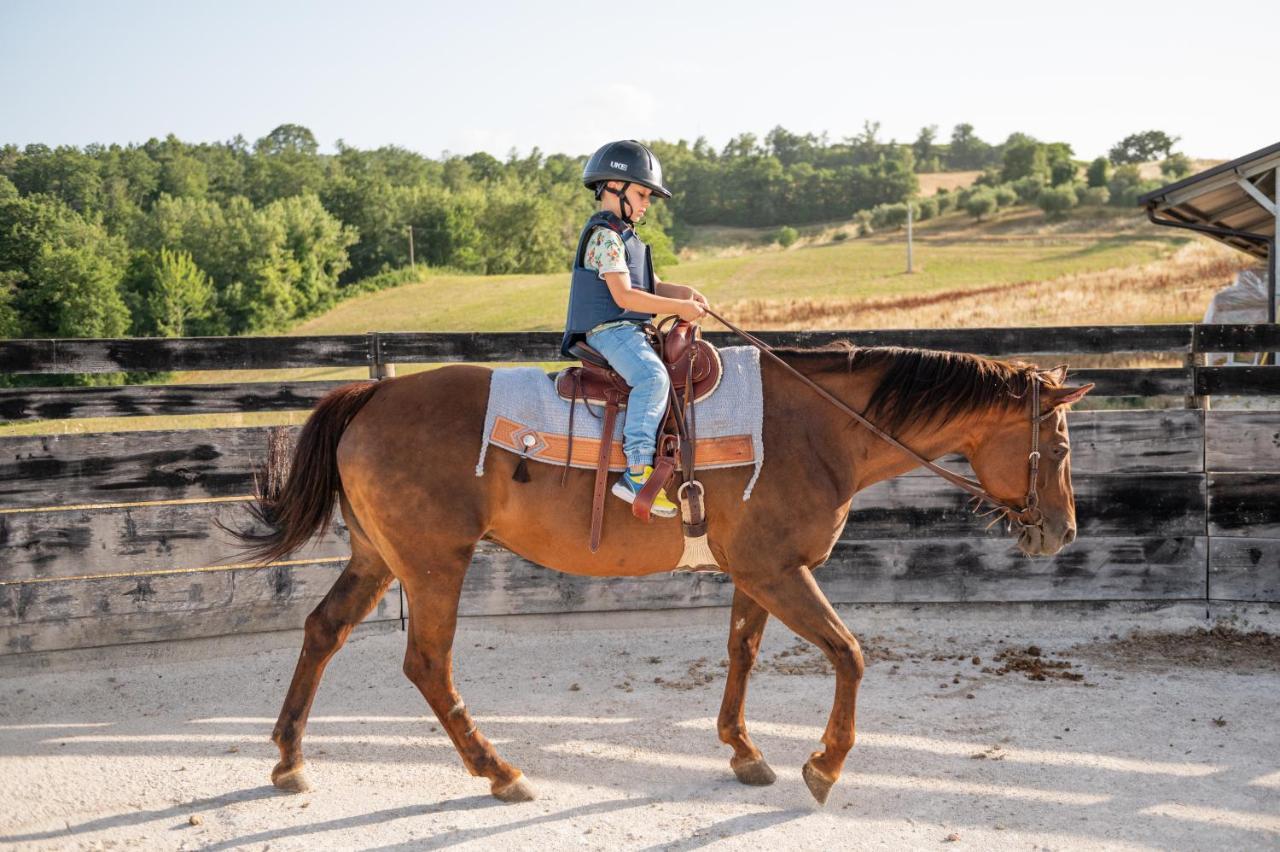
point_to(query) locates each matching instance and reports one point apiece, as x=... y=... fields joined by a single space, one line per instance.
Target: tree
x=284 y=164
x=967 y=151
x=1176 y=165
x=866 y=145
x=61 y=273
x=1055 y=201
x=1126 y=185
x=1142 y=147
x=181 y=297
x=923 y=148
x=1099 y=172
x=788 y=147
x=980 y=203
x=1023 y=157
x=786 y=236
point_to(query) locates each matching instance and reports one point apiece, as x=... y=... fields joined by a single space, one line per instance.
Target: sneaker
x=629 y=485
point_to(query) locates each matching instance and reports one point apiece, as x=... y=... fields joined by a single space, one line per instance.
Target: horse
x=398 y=457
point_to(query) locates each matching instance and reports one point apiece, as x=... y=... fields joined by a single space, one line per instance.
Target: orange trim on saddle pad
x=728 y=451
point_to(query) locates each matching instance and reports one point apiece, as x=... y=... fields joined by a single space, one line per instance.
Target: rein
x=1026 y=516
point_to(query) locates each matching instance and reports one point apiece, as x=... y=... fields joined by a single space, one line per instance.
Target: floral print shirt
x=605 y=252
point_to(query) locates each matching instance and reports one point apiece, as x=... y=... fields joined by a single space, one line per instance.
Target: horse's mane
x=922 y=385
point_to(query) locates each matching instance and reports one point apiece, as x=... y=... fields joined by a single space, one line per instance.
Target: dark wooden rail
x=368 y=350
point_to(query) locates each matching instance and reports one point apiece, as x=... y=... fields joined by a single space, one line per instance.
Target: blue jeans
x=630 y=355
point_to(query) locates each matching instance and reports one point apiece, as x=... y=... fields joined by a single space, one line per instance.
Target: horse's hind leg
x=428 y=662
x=794 y=597
x=356 y=592
x=746 y=627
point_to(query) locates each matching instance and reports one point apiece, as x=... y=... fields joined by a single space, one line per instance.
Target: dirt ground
x=979 y=727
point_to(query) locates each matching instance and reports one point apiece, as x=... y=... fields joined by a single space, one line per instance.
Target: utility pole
x=411 y=263
x=909 y=269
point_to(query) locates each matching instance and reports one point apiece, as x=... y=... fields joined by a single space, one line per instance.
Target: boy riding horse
x=614 y=292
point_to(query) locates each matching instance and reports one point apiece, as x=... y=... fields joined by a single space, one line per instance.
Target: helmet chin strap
x=624 y=204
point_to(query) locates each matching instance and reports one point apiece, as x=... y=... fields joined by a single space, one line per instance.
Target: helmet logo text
x=619 y=166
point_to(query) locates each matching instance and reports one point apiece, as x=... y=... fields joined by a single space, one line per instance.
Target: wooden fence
x=109 y=538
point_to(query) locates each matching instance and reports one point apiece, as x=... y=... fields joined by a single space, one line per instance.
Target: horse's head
x=1003 y=459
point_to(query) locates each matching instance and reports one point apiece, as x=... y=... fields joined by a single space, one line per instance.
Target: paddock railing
x=108 y=538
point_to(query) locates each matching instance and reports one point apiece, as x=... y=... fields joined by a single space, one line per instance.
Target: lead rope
x=980 y=494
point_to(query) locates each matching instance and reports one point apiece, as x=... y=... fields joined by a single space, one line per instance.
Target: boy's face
x=639 y=197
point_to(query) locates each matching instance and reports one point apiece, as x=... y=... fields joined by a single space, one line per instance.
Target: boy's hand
x=691 y=310
x=699 y=298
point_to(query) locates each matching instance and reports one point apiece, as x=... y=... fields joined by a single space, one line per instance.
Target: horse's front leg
x=746 y=628
x=794 y=597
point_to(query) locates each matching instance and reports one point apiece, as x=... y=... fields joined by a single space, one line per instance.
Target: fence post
x=1192 y=361
x=378 y=369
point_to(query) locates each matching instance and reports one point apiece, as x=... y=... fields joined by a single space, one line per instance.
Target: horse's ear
x=1066 y=396
x=1057 y=376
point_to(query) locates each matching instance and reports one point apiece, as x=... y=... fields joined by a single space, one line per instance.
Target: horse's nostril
x=1069 y=536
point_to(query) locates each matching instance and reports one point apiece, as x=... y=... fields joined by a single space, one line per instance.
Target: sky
x=566 y=77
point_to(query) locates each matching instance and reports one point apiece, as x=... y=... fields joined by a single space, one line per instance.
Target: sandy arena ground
x=1163 y=743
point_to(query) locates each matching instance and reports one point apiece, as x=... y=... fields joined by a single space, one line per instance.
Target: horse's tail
x=300 y=506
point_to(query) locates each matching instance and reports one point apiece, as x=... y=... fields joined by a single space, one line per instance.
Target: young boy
x=614 y=291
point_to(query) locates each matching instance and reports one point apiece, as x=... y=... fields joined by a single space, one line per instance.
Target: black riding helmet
x=629 y=162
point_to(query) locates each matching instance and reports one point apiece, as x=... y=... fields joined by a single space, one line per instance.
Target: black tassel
x=522 y=470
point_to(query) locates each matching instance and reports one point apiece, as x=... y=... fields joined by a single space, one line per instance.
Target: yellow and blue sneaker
x=629 y=485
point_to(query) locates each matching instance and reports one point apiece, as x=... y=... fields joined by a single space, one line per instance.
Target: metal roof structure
x=1234 y=202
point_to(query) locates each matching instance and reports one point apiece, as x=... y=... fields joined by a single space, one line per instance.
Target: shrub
x=989 y=177
x=1062 y=171
x=1099 y=172
x=839 y=236
x=863 y=220
x=1127 y=184
x=1175 y=166
x=1005 y=195
x=926 y=208
x=1028 y=188
x=1095 y=196
x=889 y=215
x=1055 y=201
x=981 y=203
x=786 y=236
x=945 y=201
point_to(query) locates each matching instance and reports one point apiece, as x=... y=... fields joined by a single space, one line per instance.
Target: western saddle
x=695 y=369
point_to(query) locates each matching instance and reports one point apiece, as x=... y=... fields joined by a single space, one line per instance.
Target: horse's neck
x=879 y=461
x=865 y=457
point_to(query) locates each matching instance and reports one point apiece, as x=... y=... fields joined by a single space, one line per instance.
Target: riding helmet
x=625 y=160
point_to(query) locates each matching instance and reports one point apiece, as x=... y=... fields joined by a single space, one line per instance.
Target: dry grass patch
x=1176 y=289
x=931 y=182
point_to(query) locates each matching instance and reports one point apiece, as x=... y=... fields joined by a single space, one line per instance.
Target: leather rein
x=1027 y=516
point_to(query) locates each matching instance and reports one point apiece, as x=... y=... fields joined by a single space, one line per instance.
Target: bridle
x=1027 y=516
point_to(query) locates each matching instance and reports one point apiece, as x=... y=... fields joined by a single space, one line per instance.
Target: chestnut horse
x=399 y=458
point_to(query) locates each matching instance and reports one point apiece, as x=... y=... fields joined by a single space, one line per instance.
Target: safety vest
x=590 y=302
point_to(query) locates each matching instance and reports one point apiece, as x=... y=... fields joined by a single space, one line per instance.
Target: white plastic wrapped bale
x=1245 y=301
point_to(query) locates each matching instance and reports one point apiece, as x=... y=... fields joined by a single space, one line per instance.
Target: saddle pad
x=523 y=401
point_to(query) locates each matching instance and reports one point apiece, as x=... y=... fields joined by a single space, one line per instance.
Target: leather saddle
x=695 y=369
x=594 y=380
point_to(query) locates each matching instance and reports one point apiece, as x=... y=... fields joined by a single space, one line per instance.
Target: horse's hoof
x=519 y=790
x=292 y=780
x=754 y=772
x=819 y=784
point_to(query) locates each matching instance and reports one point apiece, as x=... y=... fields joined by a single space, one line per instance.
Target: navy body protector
x=590 y=302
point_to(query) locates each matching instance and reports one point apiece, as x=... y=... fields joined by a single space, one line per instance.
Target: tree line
x=177 y=238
